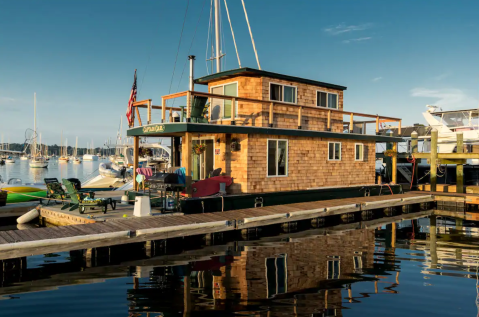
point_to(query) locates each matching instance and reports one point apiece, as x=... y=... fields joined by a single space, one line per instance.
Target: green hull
x=20 y=197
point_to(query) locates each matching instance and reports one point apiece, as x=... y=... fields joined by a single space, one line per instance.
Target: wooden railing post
x=170 y=115
x=271 y=115
x=300 y=116
x=351 y=123
x=138 y=114
x=377 y=125
x=163 y=110
x=399 y=127
x=328 y=125
x=188 y=106
x=433 y=165
x=233 y=111
x=414 y=149
x=149 y=112
x=394 y=164
x=136 y=152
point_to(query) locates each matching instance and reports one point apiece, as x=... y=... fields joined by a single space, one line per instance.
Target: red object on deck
x=210 y=186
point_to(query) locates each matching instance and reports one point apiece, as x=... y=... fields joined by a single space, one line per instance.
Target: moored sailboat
x=37 y=160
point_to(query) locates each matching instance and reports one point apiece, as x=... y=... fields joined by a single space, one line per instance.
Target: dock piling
x=414 y=149
x=433 y=163
x=460 y=167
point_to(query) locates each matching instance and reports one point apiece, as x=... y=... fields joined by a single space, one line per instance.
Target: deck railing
x=190 y=94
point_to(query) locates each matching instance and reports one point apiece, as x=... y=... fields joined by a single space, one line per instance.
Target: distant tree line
x=52 y=149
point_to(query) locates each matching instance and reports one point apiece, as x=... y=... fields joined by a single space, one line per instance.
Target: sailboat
x=37 y=161
x=76 y=159
x=63 y=153
x=10 y=159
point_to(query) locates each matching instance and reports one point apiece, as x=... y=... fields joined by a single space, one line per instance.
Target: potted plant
x=145 y=152
x=390 y=153
x=199 y=148
x=3 y=198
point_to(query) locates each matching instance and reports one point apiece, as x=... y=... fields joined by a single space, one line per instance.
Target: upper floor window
x=277 y=157
x=276 y=275
x=326 y=99
x=220 y=108
x=283 y=93
x=359 y=152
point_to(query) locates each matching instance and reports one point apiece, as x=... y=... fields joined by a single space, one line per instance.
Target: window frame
x=327 y=99
x=283 y=257
x=333 y=259
x=356 y=152
x=340 y=152
x=282 y=94
x=277 y=152
x=223 y=106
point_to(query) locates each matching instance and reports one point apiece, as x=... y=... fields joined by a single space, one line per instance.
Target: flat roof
x=246 y=71
x=179 y=128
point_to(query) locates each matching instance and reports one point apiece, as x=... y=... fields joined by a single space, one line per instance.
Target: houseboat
x=282 y=139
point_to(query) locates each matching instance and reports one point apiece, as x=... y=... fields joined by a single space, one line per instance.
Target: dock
x=17 y=243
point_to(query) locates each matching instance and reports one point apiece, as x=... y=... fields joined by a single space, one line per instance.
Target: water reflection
x=422 y=265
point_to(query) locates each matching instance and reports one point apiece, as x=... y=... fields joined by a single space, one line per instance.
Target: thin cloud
x=448 y=98
x=359 y=39
x=343 y=28
x=441 y=77
x=376 y=79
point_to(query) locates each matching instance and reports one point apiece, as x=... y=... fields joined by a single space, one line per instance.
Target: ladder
x=405 y=172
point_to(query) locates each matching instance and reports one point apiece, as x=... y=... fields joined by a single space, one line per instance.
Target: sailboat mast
x=217 y=36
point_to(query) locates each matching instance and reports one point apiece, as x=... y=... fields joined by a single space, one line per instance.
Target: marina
x=302 y=179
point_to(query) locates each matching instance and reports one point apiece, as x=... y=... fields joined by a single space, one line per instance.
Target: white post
x=192 y=72
x=217 y=35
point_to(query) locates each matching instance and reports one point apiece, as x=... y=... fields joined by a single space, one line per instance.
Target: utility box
x=142 y=206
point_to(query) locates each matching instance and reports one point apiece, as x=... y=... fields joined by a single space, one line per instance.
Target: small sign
x=154 y=128
x=217 y=151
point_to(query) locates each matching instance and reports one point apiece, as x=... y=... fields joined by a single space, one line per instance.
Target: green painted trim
x=256 y=72
x=164 y=129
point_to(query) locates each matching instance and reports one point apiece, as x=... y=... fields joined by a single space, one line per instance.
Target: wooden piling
x=432 y=241
x=148 y=119
x=433 y=165
x=394 y=164
x=136 y=152
x=163 y=110
x=414 y=149
x=460 y=167
x=271 y=115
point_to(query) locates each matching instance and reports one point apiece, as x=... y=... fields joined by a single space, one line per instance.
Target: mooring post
x=394 y=163
x=460 y=167
x=433 y=167
x=389 y=168
x=432 y=241
x=414 y=149
x=393 y=235
x=186 y=296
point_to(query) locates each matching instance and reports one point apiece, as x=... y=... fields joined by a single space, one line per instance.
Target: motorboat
x=112 y=170
x=90 y=157
x=10 y=160
x=76 y=160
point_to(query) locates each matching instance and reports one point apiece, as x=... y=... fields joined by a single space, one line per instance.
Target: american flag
x=129 y=111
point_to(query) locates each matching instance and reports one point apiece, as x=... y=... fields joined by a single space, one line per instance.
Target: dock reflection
x=317 y=272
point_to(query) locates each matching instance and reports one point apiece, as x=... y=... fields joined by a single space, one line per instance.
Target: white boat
x=90 y=157
x=112 y=170
x=23 y=158
x=76 y=160
x=38 y=162
x=10 y=160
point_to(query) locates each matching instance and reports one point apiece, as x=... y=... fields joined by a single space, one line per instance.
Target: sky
x=79 y=56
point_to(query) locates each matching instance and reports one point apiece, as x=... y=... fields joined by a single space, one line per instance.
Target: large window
x=277 y=157
x=359 y=152
x=334 y=151
x=282 y=93
x=276 y=275
x=326 y=100
x=220 y=108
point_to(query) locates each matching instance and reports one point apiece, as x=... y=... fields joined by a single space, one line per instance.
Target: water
x=21 y=169
x=343 y=270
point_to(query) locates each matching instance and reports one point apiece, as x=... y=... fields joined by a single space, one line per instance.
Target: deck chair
x=85 y=200
x=199 y=107
x=55 y=190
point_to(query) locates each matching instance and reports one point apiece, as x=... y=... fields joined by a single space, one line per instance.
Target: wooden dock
x=18 y=243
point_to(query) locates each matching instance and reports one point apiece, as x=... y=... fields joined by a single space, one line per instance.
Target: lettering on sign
x=154 y=129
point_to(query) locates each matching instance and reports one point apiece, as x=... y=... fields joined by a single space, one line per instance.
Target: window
x=334 y=151
x=276 y=275
x=326 y=100
x=359 y=152
x=334 y=268
x=220 y=108
x=282 y=93
x=277 y=157
x=358 y=263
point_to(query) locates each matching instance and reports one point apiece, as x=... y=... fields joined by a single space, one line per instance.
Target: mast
x=76 y=147
x=217 y=36
x=34 y=148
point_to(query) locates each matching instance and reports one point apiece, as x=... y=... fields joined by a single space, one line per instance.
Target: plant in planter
x=3 y=197
x=144 y=152
x=199 y=148
x=390 y=153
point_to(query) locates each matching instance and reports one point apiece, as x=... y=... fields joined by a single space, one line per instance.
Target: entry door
x=203 y=164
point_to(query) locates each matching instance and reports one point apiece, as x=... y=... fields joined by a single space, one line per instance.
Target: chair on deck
x=199 y=107
x=143 y=174
x=55 y=190
x=85 y=200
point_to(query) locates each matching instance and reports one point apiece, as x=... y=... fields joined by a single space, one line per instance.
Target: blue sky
x=79 y=56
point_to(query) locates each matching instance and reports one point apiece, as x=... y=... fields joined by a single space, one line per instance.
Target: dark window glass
x=276 y=92
x=271 y=157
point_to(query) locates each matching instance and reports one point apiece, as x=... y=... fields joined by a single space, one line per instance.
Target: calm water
x=21 y=169
x=344 y=270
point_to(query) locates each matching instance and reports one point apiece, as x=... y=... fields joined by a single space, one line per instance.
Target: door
x=203 y=164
